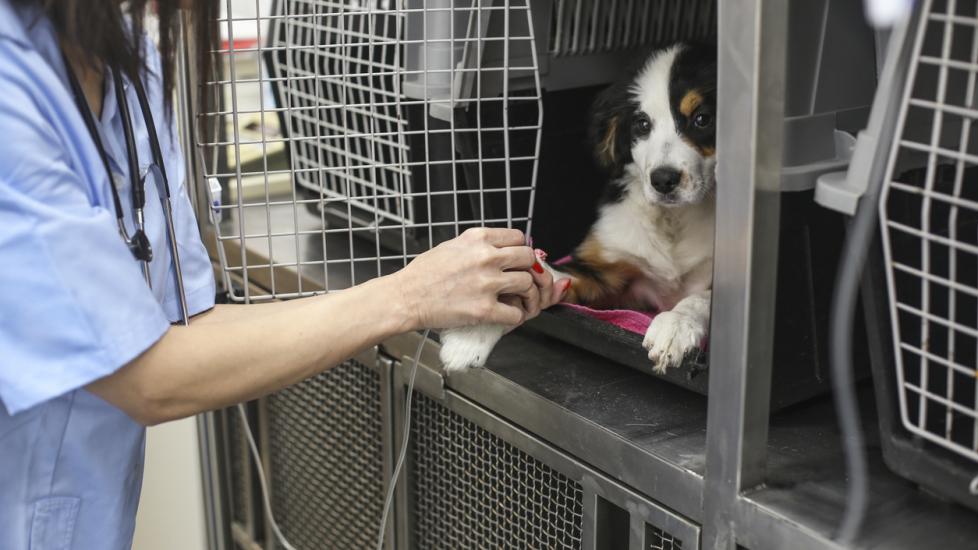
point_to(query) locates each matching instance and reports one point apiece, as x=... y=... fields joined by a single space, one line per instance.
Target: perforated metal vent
x=473 y=490
x=326 y=453
x=598 y=26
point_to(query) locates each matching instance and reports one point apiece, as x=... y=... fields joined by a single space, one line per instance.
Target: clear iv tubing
x=261 y=479
x=388 y=501
x=404 y=442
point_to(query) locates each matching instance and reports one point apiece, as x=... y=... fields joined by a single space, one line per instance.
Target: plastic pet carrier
x=922 y=285
x=830 y=80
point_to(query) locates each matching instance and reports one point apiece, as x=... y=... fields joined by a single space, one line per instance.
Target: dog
x=651 y=246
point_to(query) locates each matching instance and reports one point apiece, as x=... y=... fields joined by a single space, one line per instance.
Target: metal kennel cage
x=358 y=134
x=351 y=136
x=396 y=124
x=348 y=137
x=573 y=450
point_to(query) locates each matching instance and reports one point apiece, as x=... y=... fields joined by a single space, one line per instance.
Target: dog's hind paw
x=467 y=347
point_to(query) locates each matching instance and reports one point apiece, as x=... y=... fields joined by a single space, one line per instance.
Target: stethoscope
x=138 y=243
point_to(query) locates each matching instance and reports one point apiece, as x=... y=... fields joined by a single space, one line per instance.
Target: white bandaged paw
x=467 y=347
x=670 y=337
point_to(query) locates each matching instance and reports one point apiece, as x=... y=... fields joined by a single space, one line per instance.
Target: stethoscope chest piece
x=140 y=246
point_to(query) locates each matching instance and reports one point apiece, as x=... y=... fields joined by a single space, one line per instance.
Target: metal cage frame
x=726 y=495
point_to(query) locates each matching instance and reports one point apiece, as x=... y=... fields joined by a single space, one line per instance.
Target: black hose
x=853 y=261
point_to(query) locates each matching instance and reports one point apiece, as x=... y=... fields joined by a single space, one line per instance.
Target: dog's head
x=656 y=130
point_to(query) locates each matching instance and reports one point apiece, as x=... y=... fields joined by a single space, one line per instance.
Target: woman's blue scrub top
x=74 y=306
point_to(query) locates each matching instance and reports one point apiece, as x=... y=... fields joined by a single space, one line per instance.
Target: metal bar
x=937 y=319
x=953 y=227
x=751 y=82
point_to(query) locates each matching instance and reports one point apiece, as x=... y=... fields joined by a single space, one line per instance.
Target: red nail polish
x=537 y=267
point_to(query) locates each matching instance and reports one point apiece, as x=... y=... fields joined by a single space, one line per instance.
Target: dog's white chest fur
x=672 y=246
x=652 y=245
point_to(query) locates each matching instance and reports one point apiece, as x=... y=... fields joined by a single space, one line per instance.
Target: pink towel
x=628 y=319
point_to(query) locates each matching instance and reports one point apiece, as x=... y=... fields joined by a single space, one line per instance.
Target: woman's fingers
x=558 y=291
x=532 y=302
x=507 y=311
x=518 y=257
x=514 y=282
x=545 y=283
x=497 y=237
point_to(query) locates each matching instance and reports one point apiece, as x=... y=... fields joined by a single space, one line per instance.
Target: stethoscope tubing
x=163 y=190
x=137 y=242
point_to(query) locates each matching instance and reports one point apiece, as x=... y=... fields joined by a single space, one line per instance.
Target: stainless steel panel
x=644 y=432
x=476 y=481
x=750 y=111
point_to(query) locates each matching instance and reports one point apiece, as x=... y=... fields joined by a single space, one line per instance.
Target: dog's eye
x=643 y=125
x=703 y=120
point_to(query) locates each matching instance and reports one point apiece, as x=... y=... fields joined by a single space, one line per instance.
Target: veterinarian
x=89 y=354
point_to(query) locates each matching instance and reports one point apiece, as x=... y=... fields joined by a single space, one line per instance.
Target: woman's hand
x=545 y=293
x=483 y=276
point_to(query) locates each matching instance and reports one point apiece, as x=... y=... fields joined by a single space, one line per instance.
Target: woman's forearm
x=236 y=353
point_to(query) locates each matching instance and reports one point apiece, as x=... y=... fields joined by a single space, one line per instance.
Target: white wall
x=245 y=15
x=171 y=508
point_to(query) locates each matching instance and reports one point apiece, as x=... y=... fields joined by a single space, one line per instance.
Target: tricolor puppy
x=652 y=243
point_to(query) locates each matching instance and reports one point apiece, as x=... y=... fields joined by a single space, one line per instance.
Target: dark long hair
x=99 y=30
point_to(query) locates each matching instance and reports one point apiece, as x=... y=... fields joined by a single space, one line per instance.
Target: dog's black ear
x=610 y=130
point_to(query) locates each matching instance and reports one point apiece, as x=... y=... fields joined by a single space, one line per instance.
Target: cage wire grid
x=929 y=228
x=347 y=136
x=401 y=121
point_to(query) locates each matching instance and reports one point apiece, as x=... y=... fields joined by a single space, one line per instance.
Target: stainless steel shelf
x=651 y=435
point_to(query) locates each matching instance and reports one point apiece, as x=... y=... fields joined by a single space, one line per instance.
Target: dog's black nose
x=664 y=180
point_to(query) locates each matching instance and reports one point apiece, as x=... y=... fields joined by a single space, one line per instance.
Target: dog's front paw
x=466 y=347
x=670 y=337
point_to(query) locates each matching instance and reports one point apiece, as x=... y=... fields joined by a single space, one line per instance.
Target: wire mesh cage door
x=353 y=135
x=929 y=228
